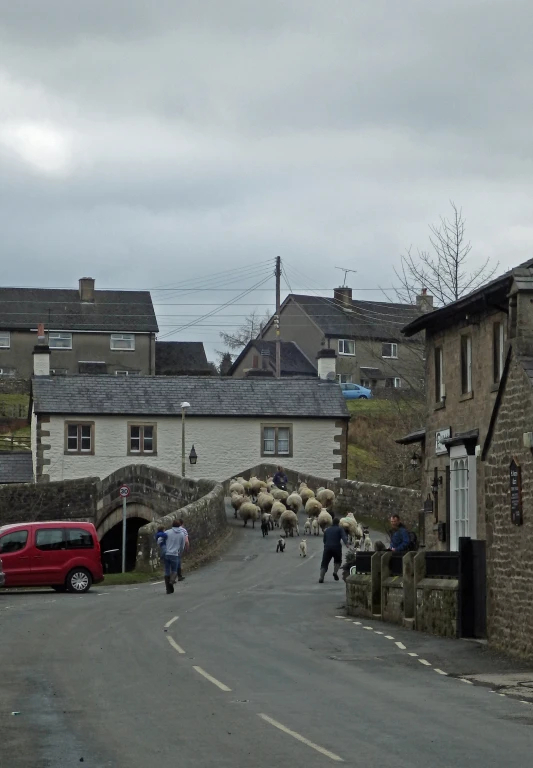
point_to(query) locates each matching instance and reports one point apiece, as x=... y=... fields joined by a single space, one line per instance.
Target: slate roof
x=372 y=373
x=179 y=358
x=16 y=467
x=413 y=437
x=364 y=320
x=208 y=396
x=293 y=361
x=62 y=310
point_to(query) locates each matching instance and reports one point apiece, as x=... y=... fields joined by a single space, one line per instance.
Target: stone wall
x=13 y=386
x=363 y=499
x=359 y=595
x=509 y=562
x=69 y=500
x=437 y=610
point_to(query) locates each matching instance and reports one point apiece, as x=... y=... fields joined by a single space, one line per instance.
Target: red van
x=64 y=556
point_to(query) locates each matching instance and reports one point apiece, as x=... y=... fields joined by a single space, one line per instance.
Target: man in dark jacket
x=280 y=479
x=333 y=538
x=399 y=535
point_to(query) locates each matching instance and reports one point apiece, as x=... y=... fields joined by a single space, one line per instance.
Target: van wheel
x=59 y=588
x=79 y=580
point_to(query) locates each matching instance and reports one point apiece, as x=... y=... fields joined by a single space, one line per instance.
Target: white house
x=93 y=425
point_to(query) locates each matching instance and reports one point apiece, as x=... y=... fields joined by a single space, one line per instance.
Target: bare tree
x=225 y=363
x=250 y=329
x=444 y=270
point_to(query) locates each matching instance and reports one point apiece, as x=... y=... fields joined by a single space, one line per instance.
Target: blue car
x=355 y=392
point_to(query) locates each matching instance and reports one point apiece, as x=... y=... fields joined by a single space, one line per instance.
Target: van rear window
x=78 y=538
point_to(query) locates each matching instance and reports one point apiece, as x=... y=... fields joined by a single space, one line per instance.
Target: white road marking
x=501 y=694
x=131 y=589
x=414 y=655
x=378 y=633
x=174 y=644
x=401 y=646
x=370 y=628
x=389 y=637
x=171 y=622
x=302 y=739
x=464 y=680
x=156 y=582
x=424 y=662
x=358 y=623
x=524 y=702
x=304 y=561
x=340 y=617
x=440 y=672
x=211 y=679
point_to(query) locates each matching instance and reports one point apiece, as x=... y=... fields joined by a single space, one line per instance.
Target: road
x=247 y=664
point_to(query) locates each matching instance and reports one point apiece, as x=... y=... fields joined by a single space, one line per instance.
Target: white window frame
x=7 y=371
x=345 y=378
x=439 y=385
x=342 y=343
x=61 y=336
x=396 y=382
x=121 y=338
x=394 y=350
x=127 y=373
x=7 y=336
x=276 y=440
x=463 y=496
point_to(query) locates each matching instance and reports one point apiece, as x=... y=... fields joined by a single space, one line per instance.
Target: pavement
x=250 y=663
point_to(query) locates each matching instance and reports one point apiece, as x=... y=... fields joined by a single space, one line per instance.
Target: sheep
x=249 y=511
x=280 y=495
x=307 y=526
x=289 y=523
x=256 y=486
x=365 y=542
x=315 y=527
x=324 y=520
x=359 y=529
x=294 y=502
x=351 y=527
x=306 y=494
x=236 y=500
x=265 y=520
x=303 y=548
x=245 y=484
x=236 y=487
x=313 y=508
x=326 y=497
x=278 y=508
x=265 y=501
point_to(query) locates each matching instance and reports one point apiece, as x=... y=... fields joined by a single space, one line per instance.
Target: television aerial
x=345 y=270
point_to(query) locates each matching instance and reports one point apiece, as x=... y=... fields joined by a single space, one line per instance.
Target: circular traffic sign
x=124 y=491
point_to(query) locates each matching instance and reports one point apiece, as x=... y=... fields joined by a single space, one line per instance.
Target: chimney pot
x=326 y=362
x=343 y=296
x=87 y=289
x=424 y=301
x=41 y=360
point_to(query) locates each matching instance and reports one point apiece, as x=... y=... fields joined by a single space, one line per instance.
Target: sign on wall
x=440 y=436
x=515 y=482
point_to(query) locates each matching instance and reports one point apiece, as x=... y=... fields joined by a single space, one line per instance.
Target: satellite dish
x=331 y=376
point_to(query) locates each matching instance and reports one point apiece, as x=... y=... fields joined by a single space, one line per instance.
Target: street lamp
x=184 y=407
x=193 y=457
x=415 y=459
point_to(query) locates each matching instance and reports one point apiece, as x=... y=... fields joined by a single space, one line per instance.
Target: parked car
x=2 y=575
x=355 y=392
x=64 y=556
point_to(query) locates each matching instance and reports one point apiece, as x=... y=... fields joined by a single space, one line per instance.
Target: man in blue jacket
x=399 y=535
x=334 y=537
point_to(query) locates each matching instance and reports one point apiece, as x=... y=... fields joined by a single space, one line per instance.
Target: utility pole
x=278 y=307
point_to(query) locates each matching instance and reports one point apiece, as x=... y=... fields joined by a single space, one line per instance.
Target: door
x=459 y=511
x=15 y=553
x=49 y=556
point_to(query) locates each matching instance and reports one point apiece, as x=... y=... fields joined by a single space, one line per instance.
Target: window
x=5 y=339
x=346 y=347
x=50 y=539
x=389 y=350
x=59 y=340
x=365 y=383
x=79 y=438
x=123 y=341
x=59 y=371
x=466 y=364
x=127 y=373
x=439 y=375
x=276 y=440
x=344 y=378
x=459 y=502
x=77 y=538
x=13 y=542
x=7 y=371
x=498 y=344
x=393 y=383
x=141 y=438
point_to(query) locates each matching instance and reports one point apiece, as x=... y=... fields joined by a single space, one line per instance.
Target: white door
x=459 y=501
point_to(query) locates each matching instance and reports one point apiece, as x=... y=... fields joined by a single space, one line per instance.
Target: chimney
x=343 y=296
x=265 y=358
x=87 y=289
x=41 y=359
x=424 y=301
x=326 y=359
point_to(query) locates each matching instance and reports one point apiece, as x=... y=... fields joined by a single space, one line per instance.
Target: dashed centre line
x=440 y=672
x=414 y=655
x=171 y=622
x=174 y=644
x=389 y=637
x=401 y=646
x=424 y=662
x=302 y=739
x=212 y=679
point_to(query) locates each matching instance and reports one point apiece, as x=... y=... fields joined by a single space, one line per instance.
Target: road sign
x=124 y=491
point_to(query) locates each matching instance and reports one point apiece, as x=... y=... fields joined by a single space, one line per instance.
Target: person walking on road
x=400 y=540
x=334 y=536
x=175 y=544
x=280 y=479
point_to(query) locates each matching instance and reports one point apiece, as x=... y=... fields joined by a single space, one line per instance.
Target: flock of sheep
x=256 y=499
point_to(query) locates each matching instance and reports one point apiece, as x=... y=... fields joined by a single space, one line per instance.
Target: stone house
x=93 y=425
x=87 y=330
x=466 y=344
x=260 y=355
x=365 y=335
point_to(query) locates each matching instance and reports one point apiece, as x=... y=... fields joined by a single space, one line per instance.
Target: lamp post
x=184 y=407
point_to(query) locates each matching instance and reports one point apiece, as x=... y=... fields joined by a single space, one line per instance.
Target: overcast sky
x=150 y=143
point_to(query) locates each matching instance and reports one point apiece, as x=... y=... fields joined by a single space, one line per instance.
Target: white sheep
x=326 y=497
x=265 y=501
x=289 y=523
x=279 y=495
x=236 y=487
x=306 y=494
x=315 y=527
x=359 y=528
x=313 y=508
x=324 y=520
x=307 y=526
x=278 y=508
x=294 y=502
x=249 y=511
x=351 y=527
x=256 y=486
x=236 y=500
x=245 y=484
x=303 y=548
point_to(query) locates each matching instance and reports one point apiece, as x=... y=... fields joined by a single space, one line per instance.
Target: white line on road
x=358 y=623
x=370 y=628
x=378 y=632
x=174 y=644
x=415 y=655
x=298 y=737
x=211 y=679
x=305 y=560
x=171 y=622
x=401 y=646
x=424 y=662
x=440 y=672
x=340 y=617
x=153 y=584
x=131 y=589
x=464 y=680
x=389 y=637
